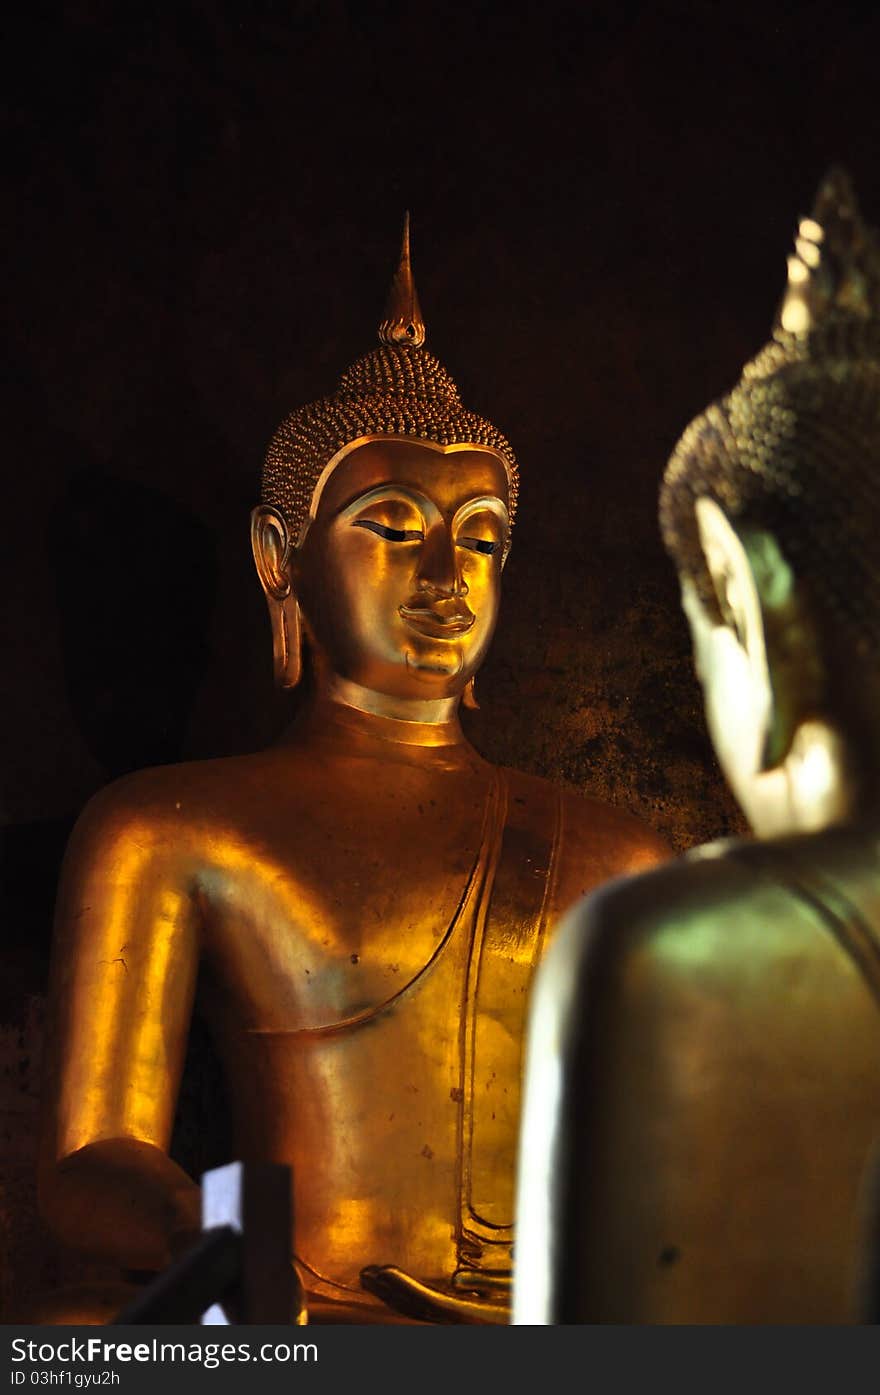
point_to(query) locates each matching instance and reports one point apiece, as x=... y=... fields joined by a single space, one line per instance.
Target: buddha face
x=782 y=754
x=736 y=702
x=399 y=574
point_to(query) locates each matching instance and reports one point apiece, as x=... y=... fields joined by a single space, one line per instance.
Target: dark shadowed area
x=203 y=212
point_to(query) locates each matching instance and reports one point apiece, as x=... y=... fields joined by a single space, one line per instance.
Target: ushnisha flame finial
x=403 y=323
x=835 y=268
x=795 y=445
x=396 y=389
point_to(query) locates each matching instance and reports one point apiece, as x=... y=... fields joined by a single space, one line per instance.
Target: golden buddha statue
x=365 y=901
x=702 y=1094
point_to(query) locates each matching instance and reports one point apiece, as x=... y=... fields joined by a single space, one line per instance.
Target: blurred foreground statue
x=703 y=1080
x=366 y=901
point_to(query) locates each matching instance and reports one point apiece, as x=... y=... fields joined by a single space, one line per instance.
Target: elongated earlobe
x=469 y=698
x=764 y=607
x=287 y=643
x=272 y=554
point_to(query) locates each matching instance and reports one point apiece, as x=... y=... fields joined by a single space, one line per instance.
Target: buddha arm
x=123 y=977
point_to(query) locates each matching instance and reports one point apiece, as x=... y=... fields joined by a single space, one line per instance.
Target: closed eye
x=485 y=545
x=390 y=534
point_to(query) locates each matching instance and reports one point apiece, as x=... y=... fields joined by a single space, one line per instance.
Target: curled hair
x=392 y=391
x=795 y=448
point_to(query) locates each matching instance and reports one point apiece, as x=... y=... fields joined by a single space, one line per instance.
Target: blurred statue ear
x=273 y=556
x=762 y=604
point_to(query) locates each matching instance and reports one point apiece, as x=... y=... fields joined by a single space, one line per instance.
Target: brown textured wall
x=204 y=213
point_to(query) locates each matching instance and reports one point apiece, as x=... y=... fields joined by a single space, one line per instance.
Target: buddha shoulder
x=176 y=811
x=594 y=842
x=725 y=914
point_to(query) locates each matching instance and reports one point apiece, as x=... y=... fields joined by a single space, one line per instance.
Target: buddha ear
x=274 y=558
x=762 y=604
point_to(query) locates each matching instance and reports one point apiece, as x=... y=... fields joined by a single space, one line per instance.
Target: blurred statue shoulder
x=733 y=905
x=711 y=1033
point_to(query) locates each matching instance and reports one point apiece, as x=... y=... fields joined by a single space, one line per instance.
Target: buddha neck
x=414 y=721
x=342 y=715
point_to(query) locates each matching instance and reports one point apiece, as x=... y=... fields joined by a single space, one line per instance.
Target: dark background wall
x=203 y=209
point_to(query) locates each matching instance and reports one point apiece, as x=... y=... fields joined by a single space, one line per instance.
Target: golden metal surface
x=403 y=323
x=366 y=901
x=703 y=1087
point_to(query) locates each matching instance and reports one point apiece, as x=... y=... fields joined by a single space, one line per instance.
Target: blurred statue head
x=770 y=508
x=384 y=522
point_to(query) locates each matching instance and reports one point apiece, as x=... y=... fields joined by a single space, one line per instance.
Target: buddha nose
x=438 y=567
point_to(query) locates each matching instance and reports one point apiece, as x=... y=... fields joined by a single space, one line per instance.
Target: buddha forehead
x=450 y=476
